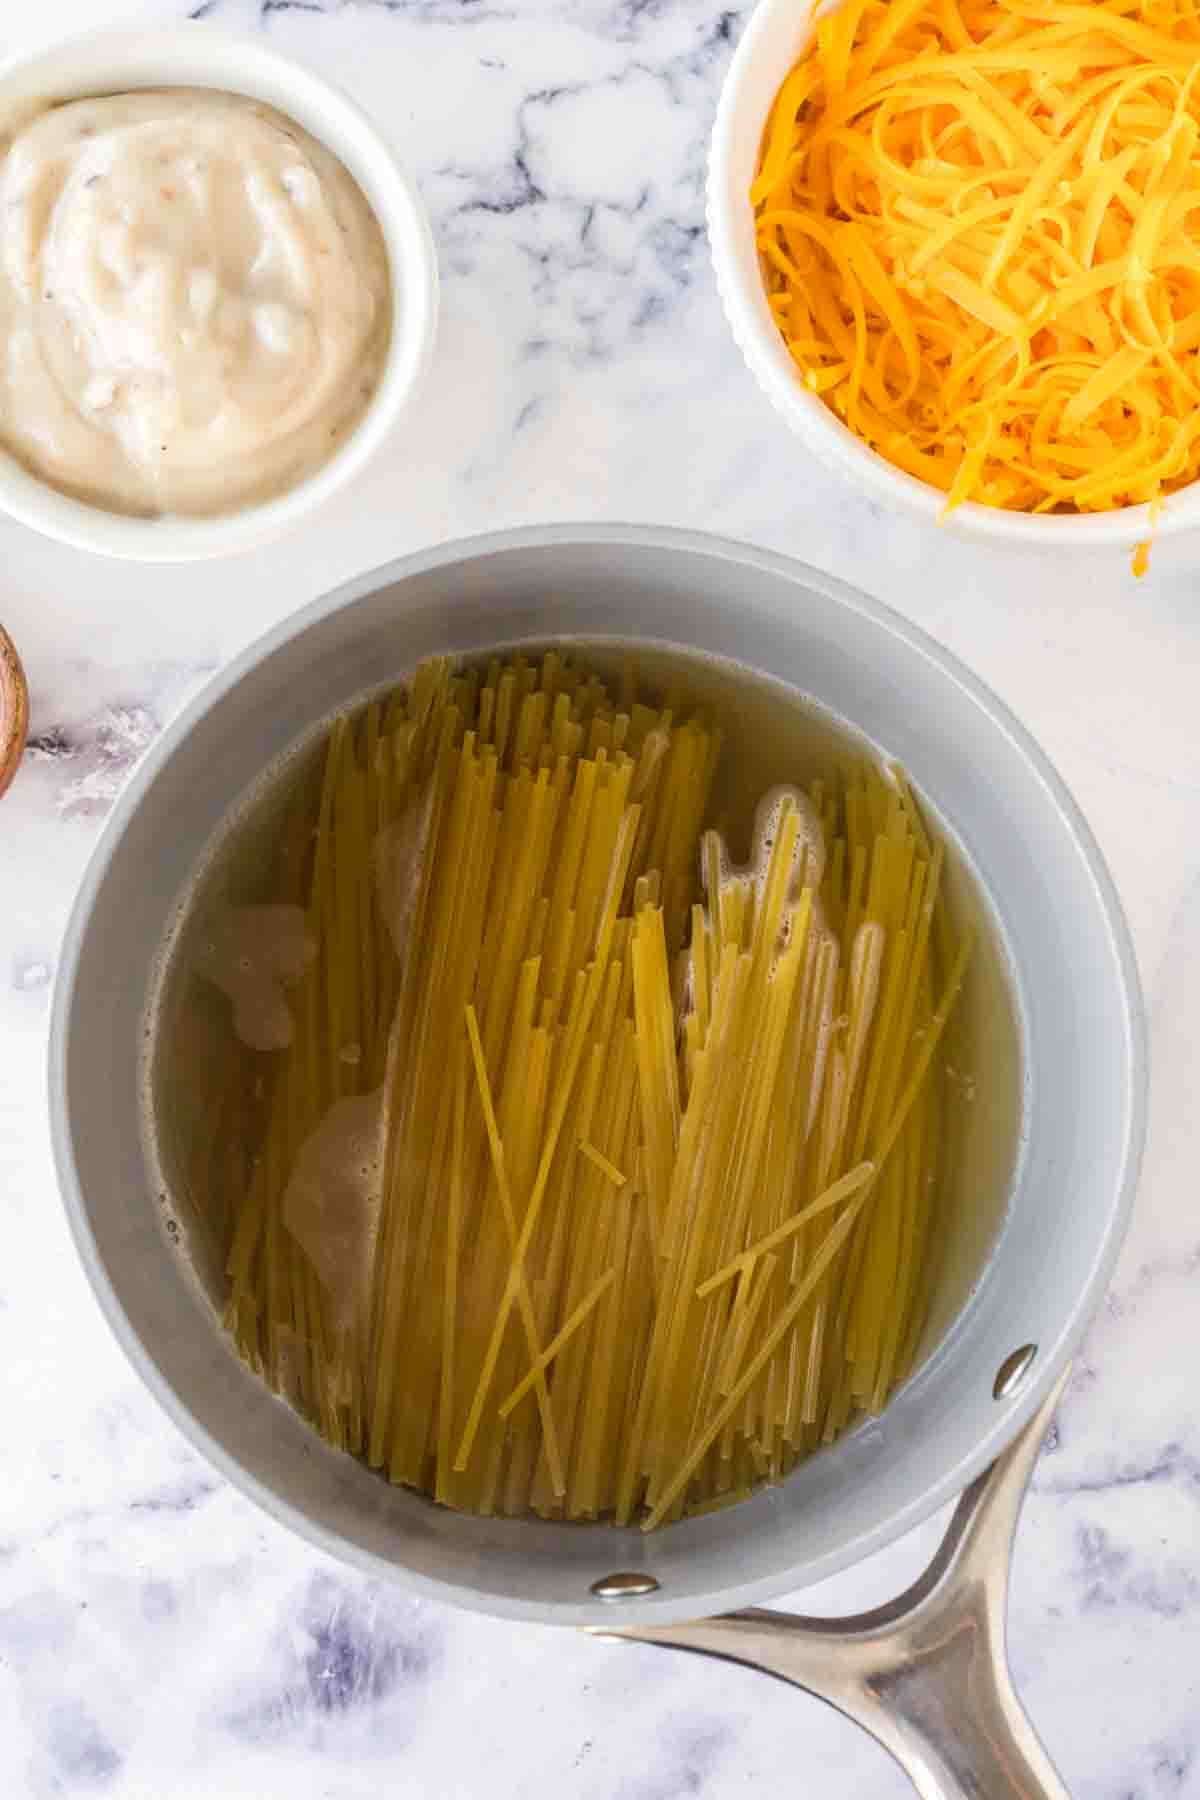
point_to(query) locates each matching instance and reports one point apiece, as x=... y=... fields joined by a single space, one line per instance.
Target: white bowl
x=778 y=32
x=194 y=54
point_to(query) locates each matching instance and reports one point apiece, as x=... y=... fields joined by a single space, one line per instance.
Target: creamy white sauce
x=195 y=301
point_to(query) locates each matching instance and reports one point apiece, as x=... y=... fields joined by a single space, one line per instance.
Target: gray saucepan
x=1025 y=1261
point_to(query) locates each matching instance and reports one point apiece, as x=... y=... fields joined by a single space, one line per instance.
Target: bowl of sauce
x=218 y=291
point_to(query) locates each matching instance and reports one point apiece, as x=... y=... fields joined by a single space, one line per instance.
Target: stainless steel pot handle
x=927 y=1674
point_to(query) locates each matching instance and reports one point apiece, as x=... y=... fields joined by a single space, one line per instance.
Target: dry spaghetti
x=657 y=1160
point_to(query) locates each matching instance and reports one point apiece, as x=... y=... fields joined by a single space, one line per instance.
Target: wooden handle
x=14 y=709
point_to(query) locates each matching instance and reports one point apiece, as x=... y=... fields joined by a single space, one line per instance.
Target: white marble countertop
x=158 y=1635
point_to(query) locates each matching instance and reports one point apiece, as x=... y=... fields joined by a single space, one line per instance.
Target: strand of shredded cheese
x=974 y=222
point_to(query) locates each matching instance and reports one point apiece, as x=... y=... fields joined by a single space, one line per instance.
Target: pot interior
x=1041 y=1128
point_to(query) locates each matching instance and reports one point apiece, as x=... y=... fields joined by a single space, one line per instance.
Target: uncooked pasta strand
x=681 y=1118
x=560 y=1338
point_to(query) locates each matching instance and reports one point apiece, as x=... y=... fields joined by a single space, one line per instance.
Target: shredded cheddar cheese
x=977 y=225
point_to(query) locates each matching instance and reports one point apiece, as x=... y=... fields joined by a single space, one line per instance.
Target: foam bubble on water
x=252 y=953
x=398 y=856
x=808 y=858
x=332 y=1200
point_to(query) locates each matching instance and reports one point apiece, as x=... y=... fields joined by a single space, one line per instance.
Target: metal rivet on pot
x=1012 y=1371
x=624 y=1586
